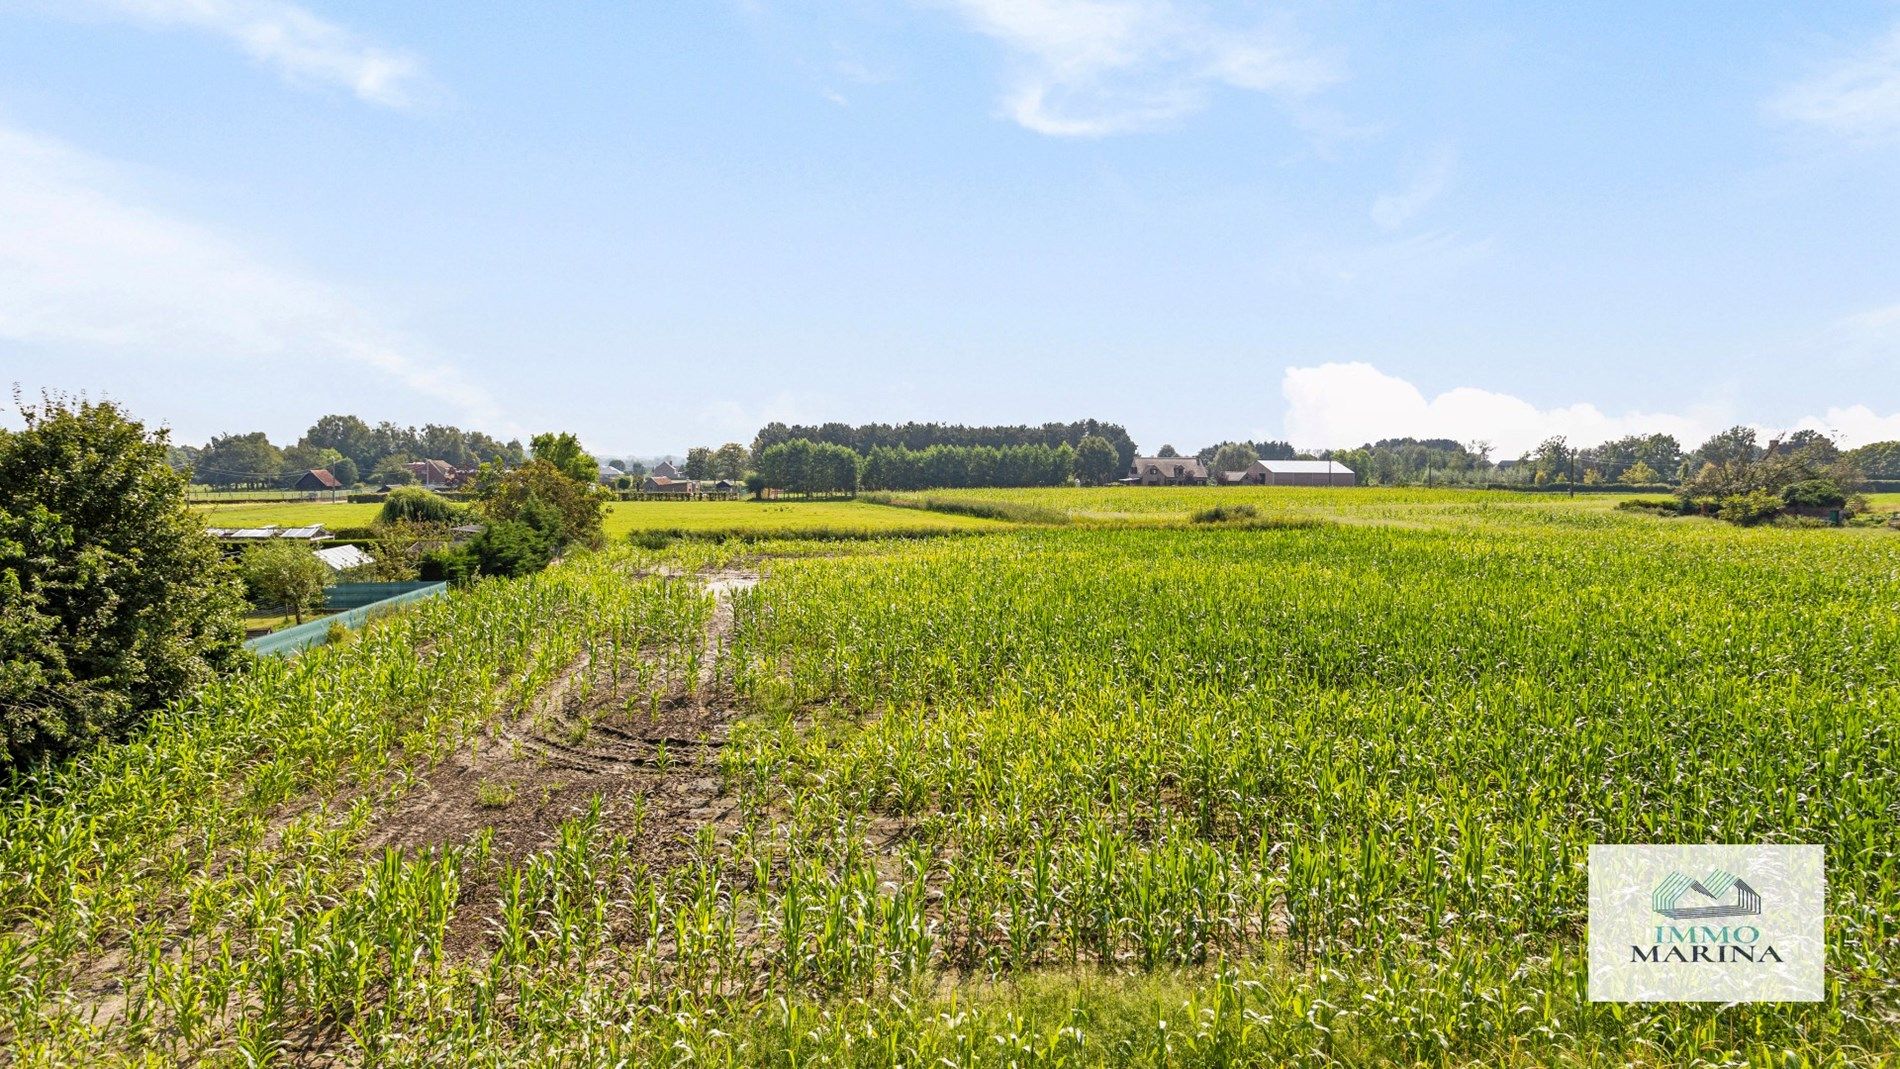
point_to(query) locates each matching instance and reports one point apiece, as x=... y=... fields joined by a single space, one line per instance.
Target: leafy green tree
x=345 y=472
x=1166 y=451
x=301 y=458
x=239 y=460
x=1639 y=473
x=921 y=436
x=755 y=484
x=1234 y=456
x=416 y=505
x=398 y=548
x=347 y=435
x=1814 y=494
x=729 y=461
x=1751 y=507
x=1737 y=445
x=1877 y=460
x=805 y=467
x=563 y=451
x=836 y=469
x=1096 y=462
x=438 y=442
x=285 y=574
x=784 y=466
x=1660 y=454
x=506 y=548
x=1810 y=446
x=699 y=463
x=1552 y=460
x=392 y=474
x=537 y=490
x=115 y=600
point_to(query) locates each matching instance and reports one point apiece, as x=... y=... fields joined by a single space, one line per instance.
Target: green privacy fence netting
x=358 y=602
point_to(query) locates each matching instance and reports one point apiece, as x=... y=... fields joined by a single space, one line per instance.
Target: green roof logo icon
x=1719 y=894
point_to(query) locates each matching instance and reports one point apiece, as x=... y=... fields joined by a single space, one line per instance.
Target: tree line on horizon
x=995 y=456
x=1632 y=460
x=916 y=455
x=348 y=447
x=917 y=437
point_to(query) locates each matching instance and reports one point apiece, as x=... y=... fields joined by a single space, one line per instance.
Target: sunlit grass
x=787 y=518
x=290 y=514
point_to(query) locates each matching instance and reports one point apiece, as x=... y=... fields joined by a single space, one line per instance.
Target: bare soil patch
x=654 y=770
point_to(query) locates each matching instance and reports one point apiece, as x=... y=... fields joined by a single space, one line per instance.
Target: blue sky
x=661 y=224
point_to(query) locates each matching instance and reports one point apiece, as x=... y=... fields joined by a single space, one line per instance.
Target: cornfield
x=1092 y=794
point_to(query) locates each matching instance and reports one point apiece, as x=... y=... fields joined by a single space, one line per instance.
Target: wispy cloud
x=1858 y=97
x=1870 y=337
x=1394 y=210
x=85 y=268
x=1089 y=68
x=302 y=46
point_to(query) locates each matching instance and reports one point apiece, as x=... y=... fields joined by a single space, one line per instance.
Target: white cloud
x=1394 y=210
x=84 y=268
x=1854 y=425
x=1858 y=98
x=304 y=47
x=1088 y=68
x=1344 y=405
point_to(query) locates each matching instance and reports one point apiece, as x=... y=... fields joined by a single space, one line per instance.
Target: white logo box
x=1715 y=923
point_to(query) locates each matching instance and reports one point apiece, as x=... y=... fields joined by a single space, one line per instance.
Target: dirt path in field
x=654 y=770
x=655 y=766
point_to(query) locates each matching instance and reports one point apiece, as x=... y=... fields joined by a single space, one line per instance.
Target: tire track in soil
x=552 y=762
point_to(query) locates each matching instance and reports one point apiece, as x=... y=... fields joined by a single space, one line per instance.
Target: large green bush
x=1814 y=494
x=1752 y=507
x=115 y=601
x=416 y=505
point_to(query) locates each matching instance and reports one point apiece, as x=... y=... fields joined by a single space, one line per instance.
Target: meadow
x=752 y=518
x=781 y=518
x=1104 y=793
x=334 y=515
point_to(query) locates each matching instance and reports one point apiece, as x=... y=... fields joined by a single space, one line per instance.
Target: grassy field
x=1159 y=504
x=1085 y=795
x=751 y=517
x=289 y=514
x=783 y=518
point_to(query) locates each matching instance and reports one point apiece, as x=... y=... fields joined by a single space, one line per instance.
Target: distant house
x=436 y=474
x=1291 y=473
x=665 y=470
x=341 y=559
x=316 y=480
x=1167 y=471
x=666 y=484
